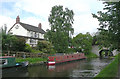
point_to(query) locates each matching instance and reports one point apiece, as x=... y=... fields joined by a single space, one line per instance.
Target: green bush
x=91 y=55
x=45 y=46
x=28 y=48
x=71 y=50
x=36 y=51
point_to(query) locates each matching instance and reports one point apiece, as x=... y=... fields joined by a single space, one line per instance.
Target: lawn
x=31 y=60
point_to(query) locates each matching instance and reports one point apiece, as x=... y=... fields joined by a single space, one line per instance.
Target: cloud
x=35 y=21
x=36 y=11
x=85 y=23
x=6 y=20
x=29 y=20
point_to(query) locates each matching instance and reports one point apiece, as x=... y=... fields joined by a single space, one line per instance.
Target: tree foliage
x=45 y=47
x=61 y=28
x=83 y=43
x=28 y=48
x=102 y=39
x=12 y=43
x=110 y=19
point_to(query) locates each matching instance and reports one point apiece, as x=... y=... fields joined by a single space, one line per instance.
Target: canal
x=80 y=68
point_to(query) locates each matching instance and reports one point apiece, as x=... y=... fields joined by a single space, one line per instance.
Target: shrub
x=36 y=51
x=28 y=48
x=45 y=46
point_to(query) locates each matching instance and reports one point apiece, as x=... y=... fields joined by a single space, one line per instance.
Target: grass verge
x=110 y=71
x=31 y=60
x=91 y=55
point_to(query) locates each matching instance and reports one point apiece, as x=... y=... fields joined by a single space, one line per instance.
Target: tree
x=102 y=39
x=110 y=19
x=61 y=28
x=10 y=42
x=45 y=47
x=28 y=48
x=83 y=43
x=18 y=44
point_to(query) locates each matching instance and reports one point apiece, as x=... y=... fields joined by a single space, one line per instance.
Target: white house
x=31 y=33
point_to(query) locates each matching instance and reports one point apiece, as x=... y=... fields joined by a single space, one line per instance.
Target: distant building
x=31 y=33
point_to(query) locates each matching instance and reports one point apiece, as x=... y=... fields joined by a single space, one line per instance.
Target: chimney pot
x=17 y=19
x=40 y=25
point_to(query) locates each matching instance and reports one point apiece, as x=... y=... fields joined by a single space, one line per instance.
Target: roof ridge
x=31 y=27
x=28 y=24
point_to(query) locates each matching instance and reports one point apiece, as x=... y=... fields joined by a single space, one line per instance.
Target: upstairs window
x=35 y=35
x=31 y=34
x=16 y=26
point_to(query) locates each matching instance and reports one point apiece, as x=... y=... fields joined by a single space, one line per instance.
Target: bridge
x=103 y=52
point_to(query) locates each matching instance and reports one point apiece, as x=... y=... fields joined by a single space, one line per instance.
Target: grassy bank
x=91 y=55
x=31 y=60
x=110 y=71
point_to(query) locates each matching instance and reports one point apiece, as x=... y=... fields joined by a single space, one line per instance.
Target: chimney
x=17 y=19
x=40 y=25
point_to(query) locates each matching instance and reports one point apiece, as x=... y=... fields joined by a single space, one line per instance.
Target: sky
x=34 y=12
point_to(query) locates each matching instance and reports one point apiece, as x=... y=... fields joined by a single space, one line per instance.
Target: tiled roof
x=32 y=28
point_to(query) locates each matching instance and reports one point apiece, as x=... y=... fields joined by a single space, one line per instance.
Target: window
x=31 y=34
x=35 y=35
x=32 y=41
x=16 y=26
x=38 y=35
x=3 y=61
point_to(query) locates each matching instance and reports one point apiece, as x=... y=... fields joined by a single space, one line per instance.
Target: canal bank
x=91 y=55
x=111 y=71
x=32 y=61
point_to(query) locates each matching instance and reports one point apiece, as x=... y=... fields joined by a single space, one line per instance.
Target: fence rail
x=27 y=55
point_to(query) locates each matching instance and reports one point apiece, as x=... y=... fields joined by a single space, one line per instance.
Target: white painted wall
x=41 y=36
x=19 y=31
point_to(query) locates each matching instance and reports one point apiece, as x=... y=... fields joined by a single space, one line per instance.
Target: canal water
x=80 y=68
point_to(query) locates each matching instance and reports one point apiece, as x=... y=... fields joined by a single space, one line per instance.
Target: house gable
x=31 y=33
x=17 y=29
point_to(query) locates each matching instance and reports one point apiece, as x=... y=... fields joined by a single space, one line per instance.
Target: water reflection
x=81 y=68
x=15 y=72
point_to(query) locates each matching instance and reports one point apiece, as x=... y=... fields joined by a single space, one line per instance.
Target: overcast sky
x=37 y=11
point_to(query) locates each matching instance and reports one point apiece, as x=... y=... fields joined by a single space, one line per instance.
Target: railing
x=27 y=55
x=31 y=55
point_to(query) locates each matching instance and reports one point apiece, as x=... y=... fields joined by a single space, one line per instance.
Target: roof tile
x=32 y=28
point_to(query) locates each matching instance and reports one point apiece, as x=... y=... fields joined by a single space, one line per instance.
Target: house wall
x=18 y=30
x=33 y=44
x=35 y=34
